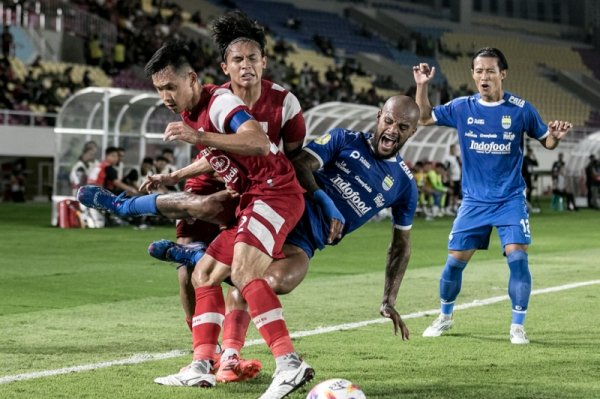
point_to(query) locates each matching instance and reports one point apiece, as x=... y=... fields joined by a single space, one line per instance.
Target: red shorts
x=200 y=230
x=262 y=222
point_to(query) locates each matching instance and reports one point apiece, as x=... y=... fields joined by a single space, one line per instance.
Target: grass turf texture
x=76 y=297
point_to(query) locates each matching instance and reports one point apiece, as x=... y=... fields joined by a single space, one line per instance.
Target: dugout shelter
x=132 y=119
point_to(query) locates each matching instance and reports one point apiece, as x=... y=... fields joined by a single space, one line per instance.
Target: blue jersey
x=359 y=184
x=491 y=138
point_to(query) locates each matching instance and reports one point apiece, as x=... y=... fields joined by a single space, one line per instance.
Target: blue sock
x=450 y=283
x=138 y=206
x=519 y=284
x=199 y=253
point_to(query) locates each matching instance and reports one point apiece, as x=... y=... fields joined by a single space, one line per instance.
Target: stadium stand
x=367 y=50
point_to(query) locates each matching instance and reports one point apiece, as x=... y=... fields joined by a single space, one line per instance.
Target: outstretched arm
x=305 y=164
x=423 y=74
x=198 y=167
x=557 y=130
x=397 y=262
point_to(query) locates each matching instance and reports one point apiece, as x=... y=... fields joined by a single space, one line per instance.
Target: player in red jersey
x=270 y=204
x=241 y=42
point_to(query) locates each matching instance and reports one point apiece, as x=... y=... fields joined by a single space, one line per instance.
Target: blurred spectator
x=119 y=55
x=419 y=175
x=565 y=188
x=8 y=42
x=453 y=165
x=95 y=53
x=17 y=182
x=84 y=166
x=559 y=163
x=434 y=189
x=293 y=22
x=196 y=18
x=529 y=163
x=135 y=177
x=592 y=181
x=163 y=166
x=105 y=174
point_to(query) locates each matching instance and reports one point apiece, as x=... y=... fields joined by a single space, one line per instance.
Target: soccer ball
x=336 y=388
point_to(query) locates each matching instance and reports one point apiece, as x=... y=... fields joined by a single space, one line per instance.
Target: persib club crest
x=506 y=122
x=387 y=183
x=324 y=139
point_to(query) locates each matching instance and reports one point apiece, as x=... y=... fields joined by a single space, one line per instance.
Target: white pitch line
x=148 y=357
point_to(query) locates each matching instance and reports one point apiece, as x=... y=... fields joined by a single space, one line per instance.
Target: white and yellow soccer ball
x=336 y=388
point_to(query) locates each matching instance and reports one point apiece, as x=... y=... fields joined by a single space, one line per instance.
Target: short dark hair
x=491 y=52
x=176 y=54
x=111 y=150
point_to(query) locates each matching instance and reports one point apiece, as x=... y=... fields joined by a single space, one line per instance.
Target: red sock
x=235 y=328
x=267 y=315
x=208 y=318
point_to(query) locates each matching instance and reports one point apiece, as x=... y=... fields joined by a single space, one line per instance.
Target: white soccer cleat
x=286 y=382
x=188 y=377
x=518 y=335
x=441 y=324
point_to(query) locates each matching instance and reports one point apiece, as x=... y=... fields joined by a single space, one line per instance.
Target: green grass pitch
x=72 y=298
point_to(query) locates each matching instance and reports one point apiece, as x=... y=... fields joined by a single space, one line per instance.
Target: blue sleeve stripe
x=238 y=119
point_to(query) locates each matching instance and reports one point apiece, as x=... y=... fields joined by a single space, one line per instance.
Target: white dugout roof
x=132 y=119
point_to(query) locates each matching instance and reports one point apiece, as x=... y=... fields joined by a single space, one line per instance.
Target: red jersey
x=258 y=175
x=278 y=112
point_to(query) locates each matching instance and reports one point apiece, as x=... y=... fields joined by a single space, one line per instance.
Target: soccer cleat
x=100 y=198
x=440 y=324
x=188 y=377
x=235 y=369
x=170 y=251
x=518 y=335
x=287 y=381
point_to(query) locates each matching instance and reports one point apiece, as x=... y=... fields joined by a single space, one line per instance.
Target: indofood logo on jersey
x=506 y=122
x=324 y=139
x=348 y=193
x=387 y=183
x=490 y=148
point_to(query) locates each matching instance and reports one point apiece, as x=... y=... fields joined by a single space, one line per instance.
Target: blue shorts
x=311 y=231
x=473 y=225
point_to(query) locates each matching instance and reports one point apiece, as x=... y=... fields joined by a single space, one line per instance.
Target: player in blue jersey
x=349 y=177
x=491 y=126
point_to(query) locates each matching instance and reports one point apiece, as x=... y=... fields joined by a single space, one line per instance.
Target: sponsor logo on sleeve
x=516 y=101
x=324 y=139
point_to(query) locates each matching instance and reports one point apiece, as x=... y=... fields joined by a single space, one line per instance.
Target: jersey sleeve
x=293 y=127
x=223 y=108
x=325 y=148
x=534 y=125
x=444 y=115
x=403 y=211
